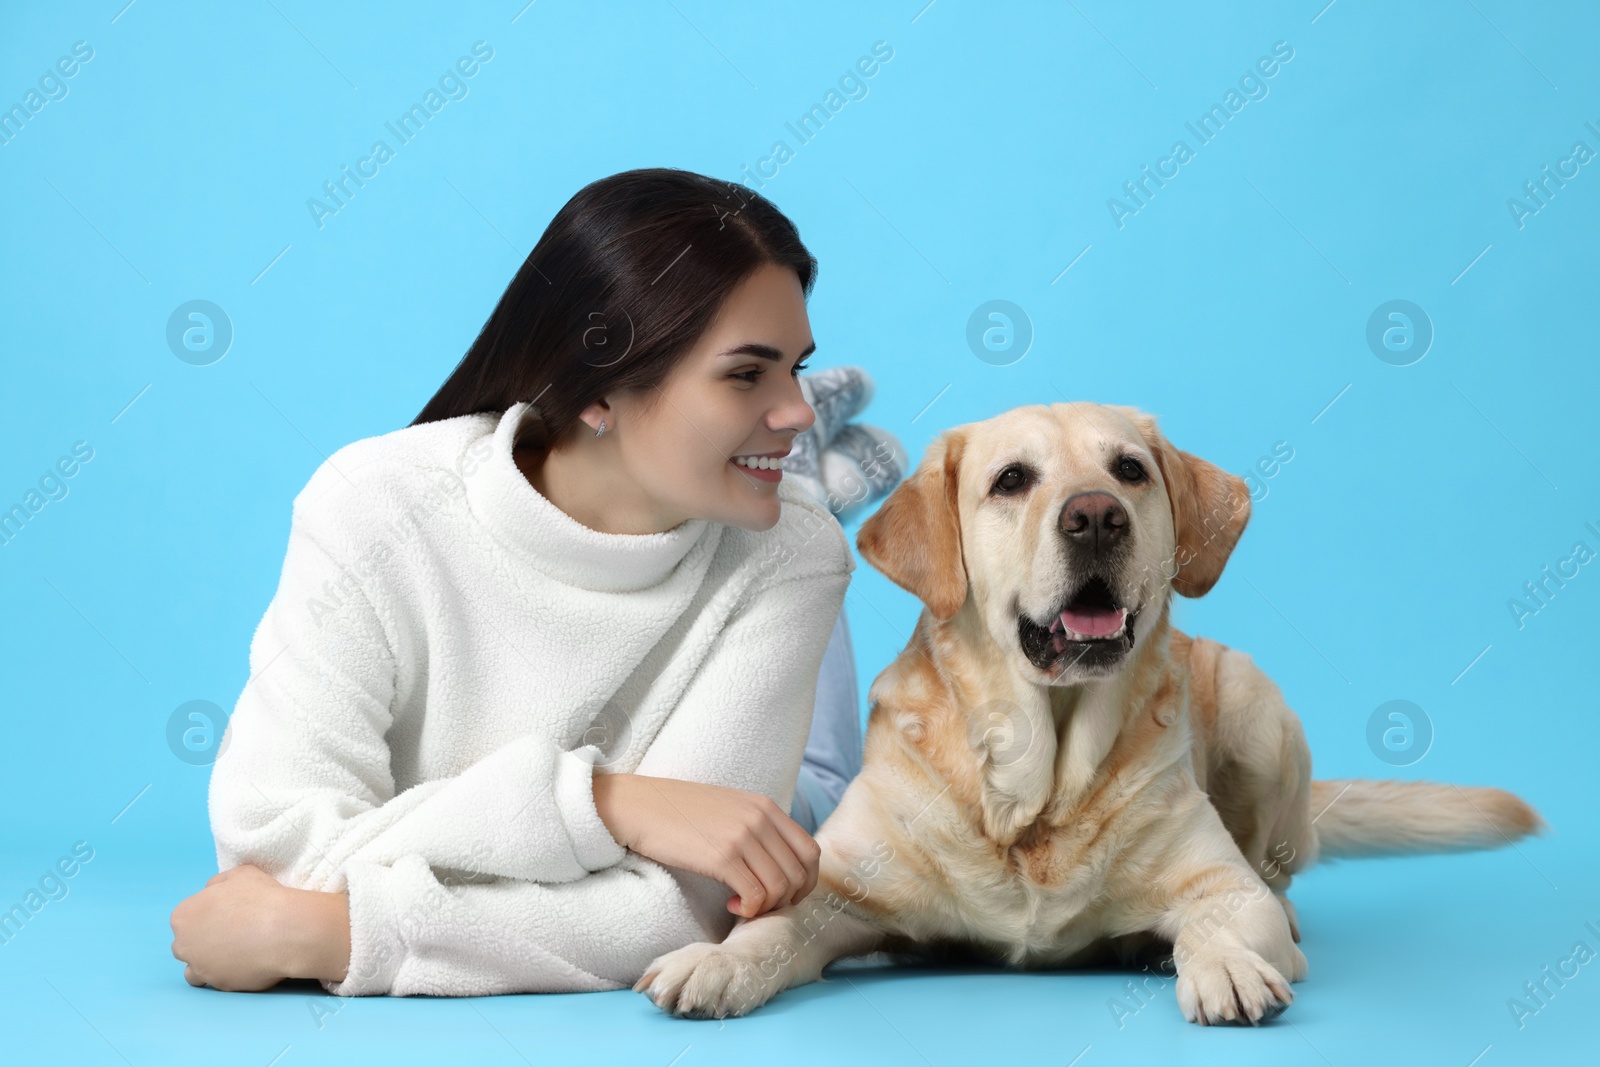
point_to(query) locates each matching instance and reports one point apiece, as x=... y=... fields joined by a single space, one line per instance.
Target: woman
x=533 y=692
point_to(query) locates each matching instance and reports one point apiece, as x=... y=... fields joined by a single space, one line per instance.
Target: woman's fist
x=741 y=839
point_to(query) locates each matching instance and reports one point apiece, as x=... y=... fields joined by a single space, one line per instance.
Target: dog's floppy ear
x=914 y=537
x=1209 y=510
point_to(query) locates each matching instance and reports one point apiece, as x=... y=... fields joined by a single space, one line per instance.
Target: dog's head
x=1064 y=527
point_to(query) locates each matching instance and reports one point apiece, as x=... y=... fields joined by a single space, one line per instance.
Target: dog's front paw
x=1233 y=987
x=705 y=981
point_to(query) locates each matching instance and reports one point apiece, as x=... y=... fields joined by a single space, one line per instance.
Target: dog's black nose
x=1093 y=520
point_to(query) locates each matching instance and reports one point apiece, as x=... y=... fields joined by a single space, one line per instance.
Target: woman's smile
x=767 y=466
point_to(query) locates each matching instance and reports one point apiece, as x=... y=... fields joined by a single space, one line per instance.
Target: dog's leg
x=1289 y=914
x=759 y=959
x=1235 y=956
x=791 y=945
x=1265 y=784
x=1232 y=944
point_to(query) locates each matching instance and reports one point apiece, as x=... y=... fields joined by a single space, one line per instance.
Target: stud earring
x=602 y=428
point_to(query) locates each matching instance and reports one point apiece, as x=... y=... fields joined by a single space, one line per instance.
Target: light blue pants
x=833 y=748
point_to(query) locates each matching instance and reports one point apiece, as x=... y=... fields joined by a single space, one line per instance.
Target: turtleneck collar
x=526 y=521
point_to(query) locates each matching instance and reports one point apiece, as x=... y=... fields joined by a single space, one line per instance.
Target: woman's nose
x=796 y=415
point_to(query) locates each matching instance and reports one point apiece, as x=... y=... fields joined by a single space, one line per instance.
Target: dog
x=1053 y=775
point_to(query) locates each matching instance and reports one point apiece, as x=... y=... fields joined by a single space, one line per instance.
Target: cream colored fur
x=1049 y=817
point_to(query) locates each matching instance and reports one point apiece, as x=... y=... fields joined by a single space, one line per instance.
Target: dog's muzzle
x=1089 y=629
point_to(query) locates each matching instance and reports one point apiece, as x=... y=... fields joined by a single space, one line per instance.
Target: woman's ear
x=1210 y=508
x=596 y=413
x=914 y=537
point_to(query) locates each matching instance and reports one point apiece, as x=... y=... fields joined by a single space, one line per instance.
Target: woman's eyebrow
x=755 y=348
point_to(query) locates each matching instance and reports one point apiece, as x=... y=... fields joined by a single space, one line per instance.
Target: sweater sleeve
x=741 y=722
x=302 y=784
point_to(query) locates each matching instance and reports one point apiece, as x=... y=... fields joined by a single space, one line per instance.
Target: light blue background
x=1378 y=565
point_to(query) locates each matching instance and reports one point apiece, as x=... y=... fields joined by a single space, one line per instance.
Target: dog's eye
x=1011 y=479
x=1130 y=470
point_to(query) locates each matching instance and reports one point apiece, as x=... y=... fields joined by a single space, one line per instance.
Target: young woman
x=532 y=695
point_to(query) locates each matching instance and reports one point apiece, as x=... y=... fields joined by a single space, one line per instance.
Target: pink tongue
x=1096 y=622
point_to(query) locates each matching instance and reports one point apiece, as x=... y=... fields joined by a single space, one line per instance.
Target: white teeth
x=760 y=463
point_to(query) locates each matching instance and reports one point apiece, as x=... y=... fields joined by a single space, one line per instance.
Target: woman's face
x=735 y=394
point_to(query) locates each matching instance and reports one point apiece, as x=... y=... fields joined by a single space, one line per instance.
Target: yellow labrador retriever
x=1053 y=775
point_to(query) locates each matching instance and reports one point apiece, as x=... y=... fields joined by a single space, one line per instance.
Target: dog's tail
x=1366 y=817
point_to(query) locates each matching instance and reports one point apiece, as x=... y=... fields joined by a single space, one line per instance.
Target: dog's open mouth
x=1091 y=628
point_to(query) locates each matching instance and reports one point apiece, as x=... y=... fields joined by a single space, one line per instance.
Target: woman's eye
x=751 y=375
x=1130 y=470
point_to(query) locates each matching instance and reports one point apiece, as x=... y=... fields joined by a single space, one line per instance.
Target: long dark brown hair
x=627 y=276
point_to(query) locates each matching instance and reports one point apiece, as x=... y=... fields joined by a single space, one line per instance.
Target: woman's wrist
x=611 y=792
x=315 y=935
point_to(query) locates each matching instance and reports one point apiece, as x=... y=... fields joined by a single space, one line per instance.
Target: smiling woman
x=684 y=447
x=547 y=733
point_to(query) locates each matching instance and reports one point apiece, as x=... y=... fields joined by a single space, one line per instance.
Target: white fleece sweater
x=447 y=661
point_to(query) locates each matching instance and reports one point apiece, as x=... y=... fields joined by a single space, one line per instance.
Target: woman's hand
x=245 y=932
x=741 y=839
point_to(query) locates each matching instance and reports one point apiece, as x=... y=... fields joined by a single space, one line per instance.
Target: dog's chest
x=1037 y=899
